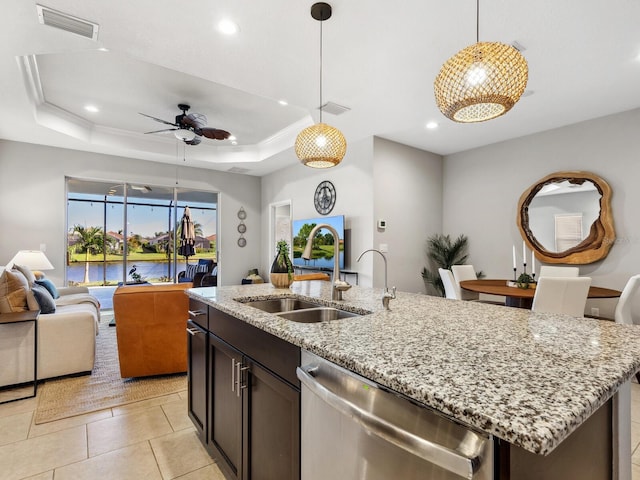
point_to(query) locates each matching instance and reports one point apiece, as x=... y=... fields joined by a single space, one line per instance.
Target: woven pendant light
x=321 y=145
x=481 y=82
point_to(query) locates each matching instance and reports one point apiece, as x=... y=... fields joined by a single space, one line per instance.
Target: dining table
x=523 y=297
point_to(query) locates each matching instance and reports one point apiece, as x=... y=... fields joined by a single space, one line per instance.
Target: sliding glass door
x=128 y=233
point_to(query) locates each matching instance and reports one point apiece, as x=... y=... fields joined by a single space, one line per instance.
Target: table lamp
x=32 y=259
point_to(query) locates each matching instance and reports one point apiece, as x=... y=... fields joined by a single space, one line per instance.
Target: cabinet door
x=272 y=427
x=225 y=406
x=197 y=377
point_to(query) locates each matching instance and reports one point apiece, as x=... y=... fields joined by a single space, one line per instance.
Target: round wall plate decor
x=242 y=242
x=325 y=197
x=242 y=228
x=242 y=214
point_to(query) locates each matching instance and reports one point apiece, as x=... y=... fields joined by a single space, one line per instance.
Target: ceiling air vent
x=53 y=18
x=334 y=108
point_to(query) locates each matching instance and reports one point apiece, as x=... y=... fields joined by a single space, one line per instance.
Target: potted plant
x=443 y=252
x=281 y=274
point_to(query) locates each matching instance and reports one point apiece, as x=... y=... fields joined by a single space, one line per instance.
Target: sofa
x=201 y=274
x=151 y=324
x=66 y=336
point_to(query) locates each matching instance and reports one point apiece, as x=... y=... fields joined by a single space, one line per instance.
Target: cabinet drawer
x=277 y=355
x=199 y=313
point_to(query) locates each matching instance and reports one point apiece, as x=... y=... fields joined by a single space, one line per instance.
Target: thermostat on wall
x=382 y=224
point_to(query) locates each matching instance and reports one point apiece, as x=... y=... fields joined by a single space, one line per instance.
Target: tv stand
x=308 y=268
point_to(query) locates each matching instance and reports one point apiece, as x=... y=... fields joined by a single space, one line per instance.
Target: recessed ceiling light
x=283 y=102
x=91 y=108
x=432 y=125
x=234 y=143
x=228 y=27
x=103 y=49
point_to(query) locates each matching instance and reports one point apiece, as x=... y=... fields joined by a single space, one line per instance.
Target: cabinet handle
x=194 y=331
x=239 y=369
x=233 y=375
x=196 y=313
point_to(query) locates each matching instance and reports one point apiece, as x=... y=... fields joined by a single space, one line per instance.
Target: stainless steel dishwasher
x=352 y=429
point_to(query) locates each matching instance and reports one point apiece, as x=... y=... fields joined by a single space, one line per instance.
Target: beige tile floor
x=153 y=439
x=150 y=440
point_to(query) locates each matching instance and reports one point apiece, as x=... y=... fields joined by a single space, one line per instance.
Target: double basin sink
x=301 y=311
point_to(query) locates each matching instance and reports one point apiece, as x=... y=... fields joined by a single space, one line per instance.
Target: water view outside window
x=104 y=250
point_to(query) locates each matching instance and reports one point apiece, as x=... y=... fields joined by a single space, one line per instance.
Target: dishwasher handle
x=440 y=455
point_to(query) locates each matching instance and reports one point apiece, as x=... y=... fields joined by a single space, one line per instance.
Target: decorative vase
x=281 y=275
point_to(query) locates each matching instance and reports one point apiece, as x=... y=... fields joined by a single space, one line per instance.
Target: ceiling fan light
x=481 y=82
x=184 y=135
x=320 y=146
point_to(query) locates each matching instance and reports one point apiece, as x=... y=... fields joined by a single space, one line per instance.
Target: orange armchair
x=151 y=322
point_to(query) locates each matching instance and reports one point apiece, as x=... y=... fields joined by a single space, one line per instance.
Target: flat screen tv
x=323 y=247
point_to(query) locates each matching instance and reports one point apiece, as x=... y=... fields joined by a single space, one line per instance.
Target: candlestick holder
x=515 y=274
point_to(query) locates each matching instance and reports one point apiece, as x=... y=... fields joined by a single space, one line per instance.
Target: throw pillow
x=26 y=271
x=13 y=288
x=44 y=299
x=48 y=284
x=193 y=269
x=15 y=301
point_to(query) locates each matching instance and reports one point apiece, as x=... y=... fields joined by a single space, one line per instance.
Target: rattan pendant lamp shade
x=321 y=145
x=481 y=82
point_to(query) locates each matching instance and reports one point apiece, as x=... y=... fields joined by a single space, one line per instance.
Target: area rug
x=104 y=388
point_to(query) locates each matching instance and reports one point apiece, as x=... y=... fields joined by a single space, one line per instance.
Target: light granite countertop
x=528 y=378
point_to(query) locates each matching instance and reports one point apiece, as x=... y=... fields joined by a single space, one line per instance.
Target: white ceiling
x=379 y=59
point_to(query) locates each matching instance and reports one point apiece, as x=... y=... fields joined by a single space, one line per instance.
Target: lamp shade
x=481 y=82
x=320 y=146
x=32 y=259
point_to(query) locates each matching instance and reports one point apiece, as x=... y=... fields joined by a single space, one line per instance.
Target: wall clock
x=325 y=197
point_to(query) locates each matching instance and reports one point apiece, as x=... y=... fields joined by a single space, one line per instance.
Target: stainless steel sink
x=316 y=315
x=278 y=305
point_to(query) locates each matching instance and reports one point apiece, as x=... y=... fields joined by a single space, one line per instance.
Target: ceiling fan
x=190 y=127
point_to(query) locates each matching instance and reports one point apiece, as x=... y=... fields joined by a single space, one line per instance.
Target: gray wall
x=33 y=204
x=377 y=179
x=482 y=188
x=408 y=196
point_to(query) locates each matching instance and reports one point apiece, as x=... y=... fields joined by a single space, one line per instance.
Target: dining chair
x=461 y=273
x=566 y=295
x=623 y=312
x=549 y=271
x=449 y=284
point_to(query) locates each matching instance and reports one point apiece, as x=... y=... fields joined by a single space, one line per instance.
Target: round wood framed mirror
x=566 y=218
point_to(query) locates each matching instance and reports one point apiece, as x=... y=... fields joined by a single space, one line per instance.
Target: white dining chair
x=623 y=313
x=461 y=273
x=549 y=271
x=623 y=308
x=566 y=295
x=449 y=283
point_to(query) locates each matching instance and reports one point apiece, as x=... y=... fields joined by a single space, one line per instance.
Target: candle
x=524 y=254
x=533 y=263
x=514 y=257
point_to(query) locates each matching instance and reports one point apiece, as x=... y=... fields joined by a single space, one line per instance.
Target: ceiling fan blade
x=163 y=130
x=214 y=133
x=158 y=119
x=196 y=120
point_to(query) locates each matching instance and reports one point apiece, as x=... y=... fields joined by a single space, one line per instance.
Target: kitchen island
x=527 y=378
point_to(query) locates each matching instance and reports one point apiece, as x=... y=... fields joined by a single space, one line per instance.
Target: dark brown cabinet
x=271 y=427
x=251 y=416
x=225 y=406
x=197 y=377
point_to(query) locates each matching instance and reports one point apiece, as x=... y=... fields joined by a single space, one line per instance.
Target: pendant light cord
x=321 y=21
x=477 y=21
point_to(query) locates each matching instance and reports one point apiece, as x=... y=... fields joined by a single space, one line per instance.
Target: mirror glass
x=566 y=218
x=561 y=214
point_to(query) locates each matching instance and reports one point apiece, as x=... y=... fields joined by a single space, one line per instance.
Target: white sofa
x=66 y=340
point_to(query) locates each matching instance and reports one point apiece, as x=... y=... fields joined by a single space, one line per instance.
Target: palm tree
x=442 y=252
x=91 y=241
